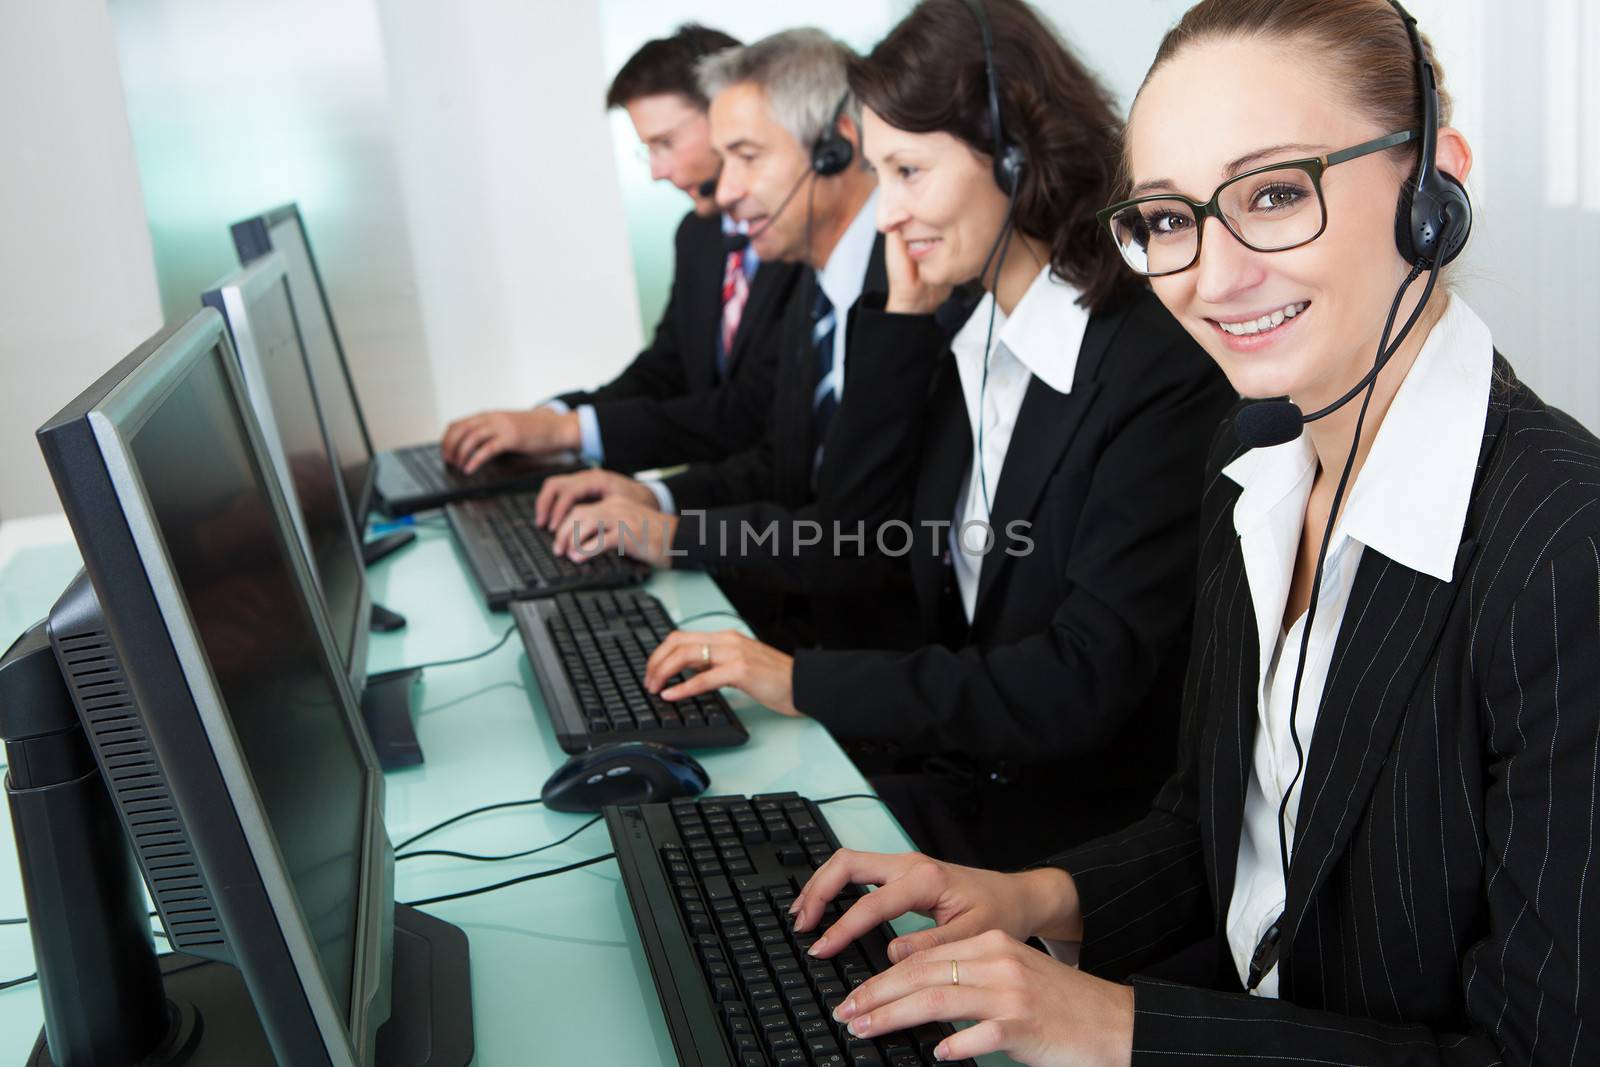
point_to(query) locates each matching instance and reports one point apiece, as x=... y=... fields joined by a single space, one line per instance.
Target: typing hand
x=908 y=293
x=471 y=442
x=1023 y=1003
x=722 y=659
x=964 y=901
x=559 y=495
x=616 y=525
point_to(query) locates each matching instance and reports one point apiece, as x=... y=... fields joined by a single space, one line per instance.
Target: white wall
x=511 y=197
x=237 y=106
x=77 y=285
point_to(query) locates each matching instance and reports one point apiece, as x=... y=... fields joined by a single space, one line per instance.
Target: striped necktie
x=824 y=399
x=735 y=293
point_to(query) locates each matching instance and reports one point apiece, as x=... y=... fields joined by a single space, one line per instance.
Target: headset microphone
x=709 y=186
x=1267 y=423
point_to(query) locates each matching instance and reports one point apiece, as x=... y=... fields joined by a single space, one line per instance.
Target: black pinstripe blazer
x=1444 y=894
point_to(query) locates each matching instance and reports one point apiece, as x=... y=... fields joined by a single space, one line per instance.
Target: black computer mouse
x=623 y=772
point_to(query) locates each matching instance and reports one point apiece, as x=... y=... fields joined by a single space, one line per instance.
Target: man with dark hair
x=701 y=389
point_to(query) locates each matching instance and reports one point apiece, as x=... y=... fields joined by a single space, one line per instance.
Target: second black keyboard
x=588 y=652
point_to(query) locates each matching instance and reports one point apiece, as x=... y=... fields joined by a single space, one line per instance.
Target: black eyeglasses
x=1269 y=209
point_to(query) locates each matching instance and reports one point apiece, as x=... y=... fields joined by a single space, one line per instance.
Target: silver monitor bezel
x=348 y=1037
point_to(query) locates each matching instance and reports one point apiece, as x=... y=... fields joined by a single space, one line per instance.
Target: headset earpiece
x=1434 y=216
x=832 y=152
x=1009 y=167
x=1432 y=223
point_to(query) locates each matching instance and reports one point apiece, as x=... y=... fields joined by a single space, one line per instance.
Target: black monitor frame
x=252 y=239
x=236 y=296
x=169 y=682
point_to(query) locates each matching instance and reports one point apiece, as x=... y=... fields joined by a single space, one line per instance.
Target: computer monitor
x=268 y=341
x=207 y=672
x=282 y=229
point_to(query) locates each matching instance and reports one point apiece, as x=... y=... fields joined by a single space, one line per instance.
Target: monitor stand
x=214 y=1024
x=386 y=709
x=383 y=620
x=383 y=547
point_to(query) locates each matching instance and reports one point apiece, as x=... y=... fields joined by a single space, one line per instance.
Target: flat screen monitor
x=255 y=764
x=262 y=320
x=283 y=230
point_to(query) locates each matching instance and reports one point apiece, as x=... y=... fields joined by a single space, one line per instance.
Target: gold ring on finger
x=955 y=973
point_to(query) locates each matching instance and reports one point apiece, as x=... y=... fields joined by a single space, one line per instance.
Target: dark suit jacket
x=1441 y=897
x=770 y=487
x=670 y=405
x=1070 y=671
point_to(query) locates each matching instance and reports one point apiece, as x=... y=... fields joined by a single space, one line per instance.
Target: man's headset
x=831 y=154
x=1432 y=222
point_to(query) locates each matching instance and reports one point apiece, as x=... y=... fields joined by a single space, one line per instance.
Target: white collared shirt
x=844 y=276
x=1040 y=338
x=1409 y=504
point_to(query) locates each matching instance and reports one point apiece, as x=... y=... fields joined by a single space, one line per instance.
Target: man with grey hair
x=787 y=129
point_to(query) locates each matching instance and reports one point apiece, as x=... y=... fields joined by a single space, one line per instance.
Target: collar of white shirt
x=845 y=274
x=1043 y=332
x=1409 y=502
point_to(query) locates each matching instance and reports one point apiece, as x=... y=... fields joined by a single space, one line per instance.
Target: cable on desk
x=414 y=838
x=460 y=659
x=14 y=982
x=850 y=796
x=495 y=859
x=697 y=616
x=512 y=881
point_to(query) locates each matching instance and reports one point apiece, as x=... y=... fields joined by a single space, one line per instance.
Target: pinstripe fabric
x=1439 y=907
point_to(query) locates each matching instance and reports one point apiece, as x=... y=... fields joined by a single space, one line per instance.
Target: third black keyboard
x=588 y=651
x=710 y=882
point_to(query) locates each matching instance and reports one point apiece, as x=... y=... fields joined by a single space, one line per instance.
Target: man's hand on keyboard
x=725 y=658
x=616 y=525
x=471 y=442
x=559 y=495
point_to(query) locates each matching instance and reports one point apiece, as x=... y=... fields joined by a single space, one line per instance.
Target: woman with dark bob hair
x=1049 y=505
x=1378 y=845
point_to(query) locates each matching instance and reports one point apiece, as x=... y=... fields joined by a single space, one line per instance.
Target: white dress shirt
x=1040 y=338
x=1409 y=504
x=842 y=278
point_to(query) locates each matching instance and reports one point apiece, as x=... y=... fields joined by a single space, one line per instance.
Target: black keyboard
x=425 y=463
x=513 y=557
x=710 y=882
x=588 y=651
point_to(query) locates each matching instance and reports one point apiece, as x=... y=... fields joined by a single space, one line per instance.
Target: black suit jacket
x=770 y=487
x=1070 y=670
x=670 y=405
x=1441 y=900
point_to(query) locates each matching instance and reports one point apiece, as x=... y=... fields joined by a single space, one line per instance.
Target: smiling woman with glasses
x=1381 y=841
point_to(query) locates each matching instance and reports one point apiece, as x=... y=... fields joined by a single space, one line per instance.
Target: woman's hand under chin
x=909 y=294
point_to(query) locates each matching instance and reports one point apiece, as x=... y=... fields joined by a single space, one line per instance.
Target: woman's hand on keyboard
x=1020 y=1001
x=963 y=901
x=710 y=661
